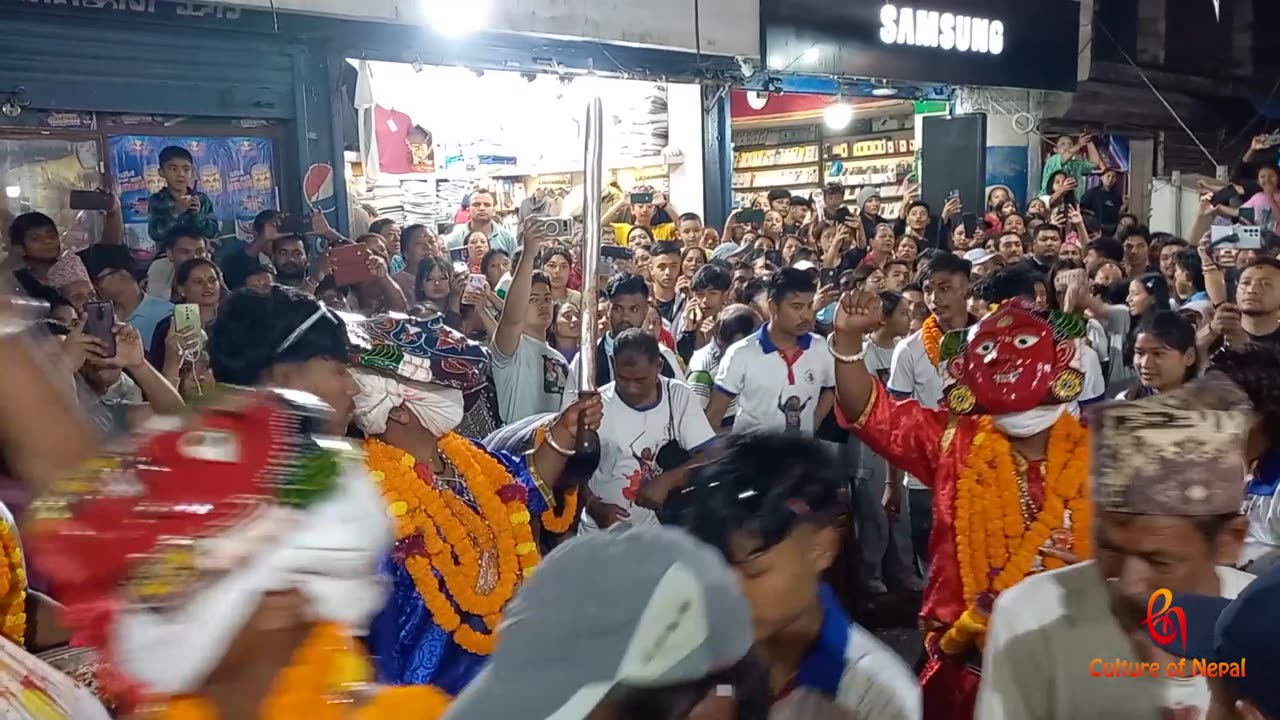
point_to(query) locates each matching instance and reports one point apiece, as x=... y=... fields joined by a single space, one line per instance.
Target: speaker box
x=953 y=156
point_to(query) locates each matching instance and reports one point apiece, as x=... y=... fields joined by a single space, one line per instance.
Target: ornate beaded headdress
x=420 y=350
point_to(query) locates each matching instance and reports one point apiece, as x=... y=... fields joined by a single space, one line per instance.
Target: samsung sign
x=943 y=30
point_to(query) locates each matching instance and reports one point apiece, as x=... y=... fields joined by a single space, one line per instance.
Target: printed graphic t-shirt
x=630 y=439
x=530 y=381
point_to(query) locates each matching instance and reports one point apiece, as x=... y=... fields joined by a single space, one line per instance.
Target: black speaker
x=953 y=157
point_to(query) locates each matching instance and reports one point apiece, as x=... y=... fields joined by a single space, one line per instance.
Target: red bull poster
x=236 y=173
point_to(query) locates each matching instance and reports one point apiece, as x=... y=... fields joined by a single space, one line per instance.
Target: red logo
x=1168 y=622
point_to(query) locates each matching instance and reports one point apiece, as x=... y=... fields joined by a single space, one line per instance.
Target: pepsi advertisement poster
x=235 y=172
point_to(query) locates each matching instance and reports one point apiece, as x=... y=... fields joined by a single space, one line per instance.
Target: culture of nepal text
x=1175 y=668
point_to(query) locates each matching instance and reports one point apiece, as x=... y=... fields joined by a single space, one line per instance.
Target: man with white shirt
x=1167 y=494
x=782 y=375
x=735 y=323
x=652 y=432
x=914 y=371
x=628 y=296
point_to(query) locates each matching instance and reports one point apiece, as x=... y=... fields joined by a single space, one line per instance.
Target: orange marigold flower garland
x=13 y=586
x=455 y=538
x=325 y=680
x=558 y=520
x=996 y=546
x=931 y=336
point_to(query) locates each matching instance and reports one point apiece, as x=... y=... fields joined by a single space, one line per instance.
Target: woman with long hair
x=692 y=258
x=1147 y=295
x=557 y=262
x=1164 y=355
x=197 y=282
x=565 y=330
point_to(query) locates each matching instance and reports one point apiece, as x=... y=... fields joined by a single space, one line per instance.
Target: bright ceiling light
x=838 y=114
x=811 y=55
x=455 y=19
x=885 y=91
x=13 y=192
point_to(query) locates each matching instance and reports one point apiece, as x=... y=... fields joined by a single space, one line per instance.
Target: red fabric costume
x=995 y=367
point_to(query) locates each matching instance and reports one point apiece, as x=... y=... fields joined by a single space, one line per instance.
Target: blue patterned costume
x=407 y=646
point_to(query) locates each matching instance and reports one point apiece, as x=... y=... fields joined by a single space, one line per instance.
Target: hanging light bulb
x=838 y=114
x=454 y=19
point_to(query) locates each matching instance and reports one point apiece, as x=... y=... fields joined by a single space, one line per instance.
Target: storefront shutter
x=75 y=64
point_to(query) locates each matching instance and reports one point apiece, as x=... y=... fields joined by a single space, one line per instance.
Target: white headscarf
x=438 y=408
x=329 y=552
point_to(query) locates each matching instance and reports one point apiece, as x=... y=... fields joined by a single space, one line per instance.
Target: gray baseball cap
x=649 y=607
x=725 y=250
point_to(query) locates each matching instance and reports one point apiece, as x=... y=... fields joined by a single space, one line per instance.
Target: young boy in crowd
x=770 y=505
x=179 y=206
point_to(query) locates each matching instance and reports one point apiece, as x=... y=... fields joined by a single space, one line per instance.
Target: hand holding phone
x=96 y=200
x=350 y=265
x=100 y=320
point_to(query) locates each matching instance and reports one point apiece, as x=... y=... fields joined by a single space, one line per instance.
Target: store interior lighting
x=455 y=19
x=13 y=192
x=838 y=114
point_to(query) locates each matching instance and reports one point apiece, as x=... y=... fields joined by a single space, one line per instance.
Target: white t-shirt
x=1044 y=633
x=530 y=381
x=630 y=439
x=912 y=374
x=772 y=394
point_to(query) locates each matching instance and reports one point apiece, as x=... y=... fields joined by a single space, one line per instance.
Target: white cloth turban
x=438 y=408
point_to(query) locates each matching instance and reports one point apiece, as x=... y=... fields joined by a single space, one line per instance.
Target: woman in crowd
x=416 y=243
x=565 y=330
x=556 y=261
x=197 y=282
x=1148 y=294
x=477 y=245
x=692 y=258
x=1266 y=202
x=772 y=226
x=495 y=265
x=791 y=243
x=1037 y=207
x=1164 y=355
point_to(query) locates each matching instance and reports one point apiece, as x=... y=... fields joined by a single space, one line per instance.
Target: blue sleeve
x=518 y=466
x=409 y=648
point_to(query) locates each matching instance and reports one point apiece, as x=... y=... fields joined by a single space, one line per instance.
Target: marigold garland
x=996 y=546
x=931 y=336
x=558 y=520
x=13 y=586
x=325 y=680
x=455 y=537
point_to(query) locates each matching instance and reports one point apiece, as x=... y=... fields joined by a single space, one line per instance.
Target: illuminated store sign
x=943 y=30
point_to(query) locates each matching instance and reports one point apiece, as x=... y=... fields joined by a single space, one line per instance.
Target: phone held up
x=609 y=257
x=350 y=265
x=751 y=216
x=91 y=200
x=100 y=320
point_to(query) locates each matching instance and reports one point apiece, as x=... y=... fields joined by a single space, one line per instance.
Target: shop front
x=857 y=77
x=92 y=91
x=431 y=135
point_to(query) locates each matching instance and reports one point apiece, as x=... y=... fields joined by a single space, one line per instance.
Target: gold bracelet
x=857 y=358
x=551 y=441
x=538 y=482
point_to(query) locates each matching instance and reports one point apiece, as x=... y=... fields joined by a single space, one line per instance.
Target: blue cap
x=1228 y=631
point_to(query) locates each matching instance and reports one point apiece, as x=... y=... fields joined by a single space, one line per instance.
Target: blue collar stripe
x=766 y=342
x=825 y=664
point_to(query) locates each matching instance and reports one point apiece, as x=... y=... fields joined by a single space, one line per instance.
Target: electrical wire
x=1159 y=97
